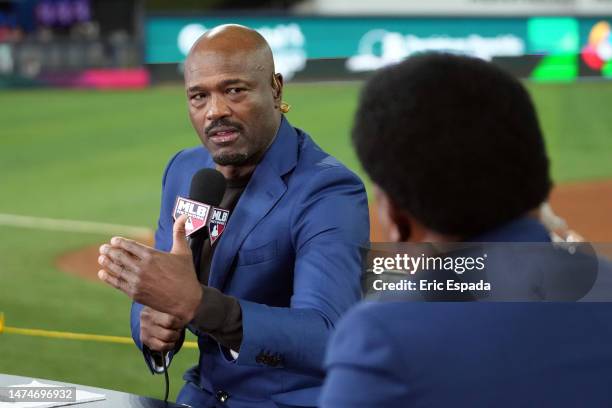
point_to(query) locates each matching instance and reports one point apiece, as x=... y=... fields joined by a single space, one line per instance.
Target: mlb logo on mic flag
x=197 y=214
x=217 y=223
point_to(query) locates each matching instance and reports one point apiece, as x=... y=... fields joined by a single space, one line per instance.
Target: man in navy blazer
x=288 y=263
x=454 y=147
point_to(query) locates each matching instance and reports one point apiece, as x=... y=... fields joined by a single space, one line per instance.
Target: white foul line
x=55 y=224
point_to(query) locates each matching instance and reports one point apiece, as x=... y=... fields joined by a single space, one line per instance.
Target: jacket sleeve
x=163 y=242
x=330 y=227
x=360 y=364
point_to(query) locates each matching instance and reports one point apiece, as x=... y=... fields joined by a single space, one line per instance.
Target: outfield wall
x=542 y=48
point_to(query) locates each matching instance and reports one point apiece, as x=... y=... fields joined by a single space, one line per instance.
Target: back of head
x=454 y=141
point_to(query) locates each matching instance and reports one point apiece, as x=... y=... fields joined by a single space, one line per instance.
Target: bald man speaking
x=264 y=296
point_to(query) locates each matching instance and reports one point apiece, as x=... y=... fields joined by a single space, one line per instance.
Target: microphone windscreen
x=208 y=187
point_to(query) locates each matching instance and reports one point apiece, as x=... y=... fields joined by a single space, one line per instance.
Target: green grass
x=578 y=128
x=98 y=156
x=35 y=295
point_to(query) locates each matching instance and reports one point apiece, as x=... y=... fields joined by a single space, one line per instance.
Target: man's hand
x=159 y=331
x=164 y=281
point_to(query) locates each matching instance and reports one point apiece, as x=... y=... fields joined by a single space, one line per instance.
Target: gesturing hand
x=164 y=281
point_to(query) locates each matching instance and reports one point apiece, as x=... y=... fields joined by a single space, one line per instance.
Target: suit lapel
x=264 y=190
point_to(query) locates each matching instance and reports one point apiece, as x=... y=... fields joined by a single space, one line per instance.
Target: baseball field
x=97 y=157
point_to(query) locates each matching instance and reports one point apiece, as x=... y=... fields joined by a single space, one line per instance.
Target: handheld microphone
x=207 y=187
x=206 y=191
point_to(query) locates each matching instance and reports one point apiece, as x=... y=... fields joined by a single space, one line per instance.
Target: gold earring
x=285 y=107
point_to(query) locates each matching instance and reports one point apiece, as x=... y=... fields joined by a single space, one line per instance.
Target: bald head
x=233 y=41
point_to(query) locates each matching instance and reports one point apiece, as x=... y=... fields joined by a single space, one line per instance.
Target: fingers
x=154 y=336
x=179 y=240
x=153 y=317
x=155 y=344
x=118 y=256
x=120 y=267
x=113 y=280
x=117 y=272
x=168 y=321
x=159 y=333
x=135 y=248
x=164 y=281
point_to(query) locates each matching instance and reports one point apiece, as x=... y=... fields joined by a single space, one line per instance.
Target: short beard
x=231 y=159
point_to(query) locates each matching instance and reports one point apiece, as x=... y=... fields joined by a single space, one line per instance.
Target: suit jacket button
x=222 y=396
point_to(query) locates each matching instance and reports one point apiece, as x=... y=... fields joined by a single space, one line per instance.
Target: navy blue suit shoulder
x=395 y=353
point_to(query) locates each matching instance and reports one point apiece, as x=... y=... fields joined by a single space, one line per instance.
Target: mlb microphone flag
x=197 y=214
x=217 y=223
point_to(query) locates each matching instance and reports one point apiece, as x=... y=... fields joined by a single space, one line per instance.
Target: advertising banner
x=555 y=48
x=461 y=7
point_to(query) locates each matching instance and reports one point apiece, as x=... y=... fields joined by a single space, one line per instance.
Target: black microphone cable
x=166 y=378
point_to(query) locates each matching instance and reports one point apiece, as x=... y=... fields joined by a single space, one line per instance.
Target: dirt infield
x=587 y=208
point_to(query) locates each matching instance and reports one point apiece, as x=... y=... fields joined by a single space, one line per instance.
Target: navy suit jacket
x=291 y=255
x=472 y=354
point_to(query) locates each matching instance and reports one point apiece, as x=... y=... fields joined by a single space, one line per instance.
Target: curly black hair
x=454 y=141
